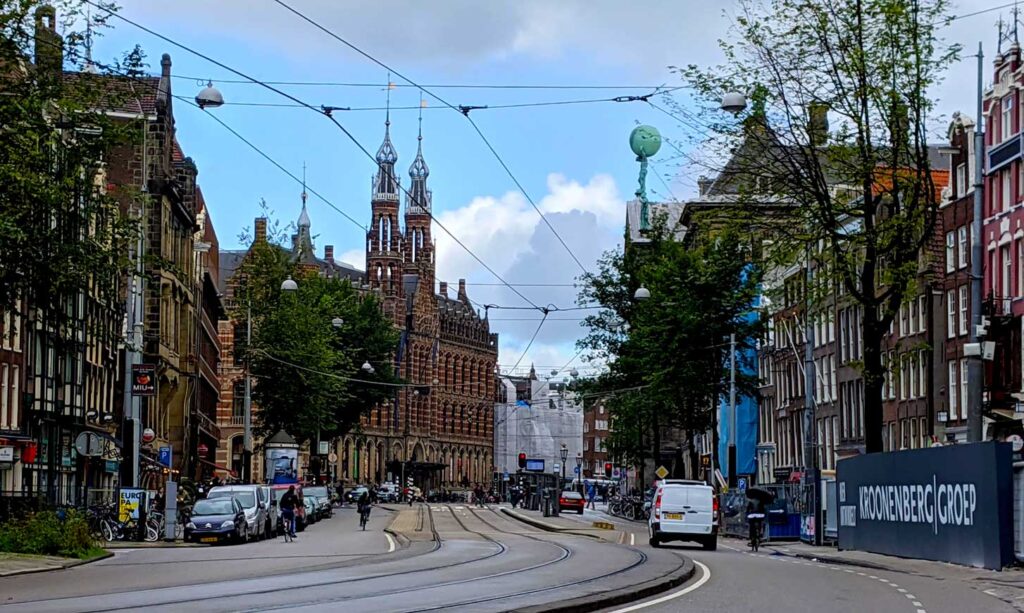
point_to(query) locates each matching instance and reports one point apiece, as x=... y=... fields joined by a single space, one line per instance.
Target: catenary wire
x=464 y=110
x=430 y=85
x=316 y=110
x=530 y=344
x=482 y=107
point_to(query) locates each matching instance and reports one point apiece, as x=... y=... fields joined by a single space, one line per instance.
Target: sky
x=572 y=160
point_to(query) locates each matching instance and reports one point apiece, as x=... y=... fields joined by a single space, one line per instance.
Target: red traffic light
x=607 y=469
x=522 y=460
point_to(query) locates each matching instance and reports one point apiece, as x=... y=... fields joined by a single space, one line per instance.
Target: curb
x=829 y=559
x=536 y=523
x=403 y=542
x=157 y=545
x=624 y=595
x=71 y=564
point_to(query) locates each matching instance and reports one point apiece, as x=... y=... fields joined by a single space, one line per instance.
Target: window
x=1020 y=264
x=1004 y=190
x=961 y=180
x=963 y=310
x=831 y=326
x=961 y=245
x=3 y=398
x=1007 y=277
x=922 y=313
x=912 y=371
x=950 y=314
x=832 y=390
x=1006 y=121
x=963 y=388
x=240 y=336
x=912 y=312
x=922 y=373
x=951 y=389
x=903 y=320
x=950 y=251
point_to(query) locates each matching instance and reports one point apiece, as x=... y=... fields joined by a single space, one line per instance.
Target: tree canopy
x=667 y=355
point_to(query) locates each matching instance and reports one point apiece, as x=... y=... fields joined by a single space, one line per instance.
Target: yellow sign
x=662 y=472
x=129 y=503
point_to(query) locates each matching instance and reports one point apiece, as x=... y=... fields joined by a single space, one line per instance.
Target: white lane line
x=911 y=596
x=391 y=543
x=704 y=578
x=917 y=604
x=632 y=538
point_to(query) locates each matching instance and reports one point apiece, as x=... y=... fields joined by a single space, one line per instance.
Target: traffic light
x=522 y=460
x=608 y=470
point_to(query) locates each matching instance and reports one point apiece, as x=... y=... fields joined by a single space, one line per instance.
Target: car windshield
x=316 y=491
x=573 y=495
x=213 y=506
x=248 y=499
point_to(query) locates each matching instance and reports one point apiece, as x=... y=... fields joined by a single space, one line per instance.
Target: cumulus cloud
x=507 y=233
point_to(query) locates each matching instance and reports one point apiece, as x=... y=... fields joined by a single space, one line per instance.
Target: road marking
x=391 y=543
x=704 y=578
x=632 y=538
x=917 y=604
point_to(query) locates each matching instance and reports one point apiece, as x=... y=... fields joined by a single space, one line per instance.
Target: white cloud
x=353 y=257
x=507 y=234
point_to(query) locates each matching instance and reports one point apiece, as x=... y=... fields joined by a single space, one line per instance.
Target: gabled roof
x=135 y=96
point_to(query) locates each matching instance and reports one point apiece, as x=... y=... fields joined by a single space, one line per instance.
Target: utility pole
x=811 y=481
x=132 y=428
x=732 y=410
x=975 y=366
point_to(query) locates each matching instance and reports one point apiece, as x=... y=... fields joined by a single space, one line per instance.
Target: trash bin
x=546 y=502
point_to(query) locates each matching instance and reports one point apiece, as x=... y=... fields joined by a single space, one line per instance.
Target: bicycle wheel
x=107 y=530
x=152 y=531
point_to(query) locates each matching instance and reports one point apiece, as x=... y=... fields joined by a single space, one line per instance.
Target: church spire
x=418 y=200
x=303 y=216
x=386 y=183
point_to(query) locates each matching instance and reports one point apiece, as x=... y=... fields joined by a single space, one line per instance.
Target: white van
x=684 y=510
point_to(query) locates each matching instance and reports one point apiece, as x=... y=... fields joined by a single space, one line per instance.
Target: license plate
x=208 y=539
x=676 y=516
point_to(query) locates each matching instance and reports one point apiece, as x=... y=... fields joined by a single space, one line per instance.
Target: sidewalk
x=149 y=545
x=1007 y=585
x=21 y=564
x=564 y=525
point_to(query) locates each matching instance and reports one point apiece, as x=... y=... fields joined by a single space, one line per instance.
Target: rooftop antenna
x=387 y=113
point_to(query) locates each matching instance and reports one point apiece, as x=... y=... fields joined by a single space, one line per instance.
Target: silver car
x=257 y=512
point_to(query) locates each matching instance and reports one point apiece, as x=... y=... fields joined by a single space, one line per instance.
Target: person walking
x=591 y=495
x=287 y=505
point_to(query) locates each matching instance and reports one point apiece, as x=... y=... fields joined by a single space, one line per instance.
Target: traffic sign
x=89 y=444
x=1016 y=441
x=741 y=483
x=165 y=455
x=576 y=470
x=662 y=472
x=332 y=458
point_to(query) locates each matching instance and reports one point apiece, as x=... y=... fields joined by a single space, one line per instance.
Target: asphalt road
x=483 y=561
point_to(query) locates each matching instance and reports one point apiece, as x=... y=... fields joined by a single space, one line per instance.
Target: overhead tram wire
x=464 y=110
x=530 y=344
x=324 y=112
x=513 y=86
x=273 y=161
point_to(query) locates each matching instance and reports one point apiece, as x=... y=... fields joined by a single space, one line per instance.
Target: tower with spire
x=419 y=248
x=384 y=237
x=303 y=251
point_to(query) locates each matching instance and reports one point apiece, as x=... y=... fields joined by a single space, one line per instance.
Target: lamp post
x=565 y=456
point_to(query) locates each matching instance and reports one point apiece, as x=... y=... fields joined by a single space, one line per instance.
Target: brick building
x=595 y=432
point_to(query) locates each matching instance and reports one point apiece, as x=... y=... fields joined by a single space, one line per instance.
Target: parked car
x=684 y=511
x=309 y=504
x=300 y=511
x=273 y=514
x=353 y=494
x=257 y=513
x=323 y=497
x=571 y=501
x=216 y=520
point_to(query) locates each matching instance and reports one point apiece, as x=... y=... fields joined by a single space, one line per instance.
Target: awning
x=218 y=467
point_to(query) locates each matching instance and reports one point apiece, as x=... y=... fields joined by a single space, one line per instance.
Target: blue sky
x=573 y=160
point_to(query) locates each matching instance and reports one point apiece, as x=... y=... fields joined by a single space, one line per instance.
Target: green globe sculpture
x=645 y=141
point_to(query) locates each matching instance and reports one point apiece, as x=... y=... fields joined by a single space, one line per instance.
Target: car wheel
x=655 y=542
x=580 y=511
x=710 y=544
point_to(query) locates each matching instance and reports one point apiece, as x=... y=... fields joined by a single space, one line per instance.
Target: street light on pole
x=565 y=456
x=579 y=471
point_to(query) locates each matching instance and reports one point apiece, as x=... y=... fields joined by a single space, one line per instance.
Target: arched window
x=380 y=233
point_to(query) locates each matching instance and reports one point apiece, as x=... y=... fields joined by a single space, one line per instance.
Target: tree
x=666 y=356
x=61 y=232
x=860 y=200
x=309 y=377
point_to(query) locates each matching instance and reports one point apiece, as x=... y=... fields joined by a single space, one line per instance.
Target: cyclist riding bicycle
x=288 y=502
x=755 y=520
x=364 y=509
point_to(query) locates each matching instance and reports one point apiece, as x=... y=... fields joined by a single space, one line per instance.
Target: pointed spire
x=418 y=200
x=90 y=67
x=303 y=216
x=386 y=183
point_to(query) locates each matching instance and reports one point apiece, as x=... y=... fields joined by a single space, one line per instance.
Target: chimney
x=444 y=289
x=49 y=45
x=703 y=185
x=260 y=226
x=463 y=296
x=329 y=253
x=817 y=123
